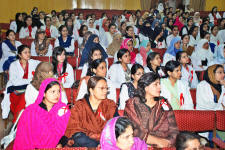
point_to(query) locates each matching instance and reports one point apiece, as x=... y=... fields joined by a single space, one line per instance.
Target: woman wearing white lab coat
x=98 y=67
x=187 y=72
x=120 y=71
x=202 y=56
x=17 y=24
x=61 y=69
x=28 y=31
x=50 y=30
x=177 y=92
x=65 y=40
x=20 y=74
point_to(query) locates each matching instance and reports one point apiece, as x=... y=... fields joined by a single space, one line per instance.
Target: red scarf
x=30 y=30
x=25 y=76
x=47 y=32
x=215 y=20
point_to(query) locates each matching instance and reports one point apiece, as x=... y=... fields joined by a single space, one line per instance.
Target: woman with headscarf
x=93 y=41
x=197 y=20
x=219 y=55
x=214 y=16
x=112 y=136
x=146 y=32
x=43 y=123
x=179 y=22
x=202 y=56
x=155 y=24
x=144 y=50
x=115 y=45
x=43 y=71
x=172 y=50
x=159 y=38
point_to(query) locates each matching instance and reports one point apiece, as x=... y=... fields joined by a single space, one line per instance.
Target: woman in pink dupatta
x=179 y=22
x=118 y=135
x=42 y=125
x=128 y=44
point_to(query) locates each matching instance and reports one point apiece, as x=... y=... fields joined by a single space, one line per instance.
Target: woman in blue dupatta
x=93 y=41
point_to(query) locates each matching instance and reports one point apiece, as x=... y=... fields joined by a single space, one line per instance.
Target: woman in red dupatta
x=152 y=116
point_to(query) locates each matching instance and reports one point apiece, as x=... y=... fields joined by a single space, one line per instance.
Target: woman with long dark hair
x=28 y=31
x=17 y=24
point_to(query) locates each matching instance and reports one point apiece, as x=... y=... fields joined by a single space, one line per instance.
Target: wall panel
x=219 y=3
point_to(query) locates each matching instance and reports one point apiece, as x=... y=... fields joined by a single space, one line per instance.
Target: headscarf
x=171 y=49
x=87 y=48
x=146 y=31
x=178 y=23
x=108 y=138
x=115 y=45
x=169 y=26
x=154 y=22
x=142 y=49
x=201 y=53
x=220 y=54
x=196 y=19
x=209 y=76
x=132 y=54
x=40 y=128
x=106 y=29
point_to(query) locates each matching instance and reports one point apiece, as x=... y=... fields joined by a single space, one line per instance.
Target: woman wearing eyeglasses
x=89 y=115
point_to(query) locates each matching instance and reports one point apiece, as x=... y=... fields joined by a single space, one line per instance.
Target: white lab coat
x=193 y=42
x=167 y=57
x=94 y=31
x=83 y=90
x=13 y=26
x=24 y=32
x=33 y=51
x=116 y=74
x=53 y=30
x=205 y=97
x=71 y=48
x=188 y=75
x=183 y=89
x=16 y=73
x=69 y=80
x=160 y=72
x=169 y=39
x=211 y=18
x=31 y=95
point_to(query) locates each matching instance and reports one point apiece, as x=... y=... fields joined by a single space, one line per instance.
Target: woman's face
x=138 y=74
x=206 y=46
x=48 y=22
x=184 y=58
x=186 y=39
x=64 y=32
x=176 y=74
x=190 y=22
x=219 y=74
x=60 y=17
x=100 y=91
x=130 y=45
x=66 y=15
x=126 y=140
x=215 y=31
x=177 y=45
x=25 y=54
x=171 y=22
x=153 y=89
x=11 y=36
x=195 y=32
x=85 y=29
x=91 y=23
x=54 y=20
x=112 y=29
x=193 y=144
x=207 y=37
x=29 y=21
x=101 y=70
x=70 y=22
x=130 y=32
x=81 y=16
x=96 y=40
x=20 y=18
x=205 y=28
x=124 y=26
x=42 y=15
x=96 y=55
x=41 y=36
x=61 y=58
x=175 y=31
x=215 y=10
x=52 y=95
x=140 y=22
x=156 y=61
x=148 y=47
x=125 y=58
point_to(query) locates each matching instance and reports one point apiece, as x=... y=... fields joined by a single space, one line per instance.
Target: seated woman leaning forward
x=118 y=135
x=43 y=123
x=89 y=115
x=152 y=115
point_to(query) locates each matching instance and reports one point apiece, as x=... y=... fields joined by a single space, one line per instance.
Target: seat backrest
x=78 y=74
x=160 y=51
x=72 y=60
x=26 y=41
x=193 y=120
x=220 y=120
x=110 y=62
x=193 y=96
x=69 y=94
x=117 y=95
x=42 y=58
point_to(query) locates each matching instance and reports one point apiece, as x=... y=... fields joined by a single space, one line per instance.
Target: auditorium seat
x=193 y=96
x=69 y=93
x=26 y=41
x=160 y=51
x=110 y=61
x=220 y=120
x=77 y=73
x=72 y=60
x=42 y=58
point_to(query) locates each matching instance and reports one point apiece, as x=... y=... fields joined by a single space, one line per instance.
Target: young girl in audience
x=41 y=46
x=109 y=35
x=80 y=18
x=80 y=36
x=90 y=114
x=127 y=89
x=61 y=68
x=146 y=32
x=50 y=30
x=9 y=50
x=202 y=56
x=118 y=134
x=214 y=16
x=60 y=18
x=185 y=29
x=185 y=44
x=159 y=38
x=28 y=31
x=219 y=55
x=175 y=90
x=46 y=119
x=172 y=50
x=214 y=37
x=92 y=27
x=210 y=91
x=194 y=37
x=20 y=75
x=17 y=24
x=115 y=45
x=93 y=41
x=122 y=28
x=70 y=27
x=43 y=71
x=65 y=41
x=175 y=34
x=153 y=64
x=120 y=71
x=203 y=28
x=197 y=20
x=144 y=51
x=146 y=108
x=97 y=67
x=187 y=72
